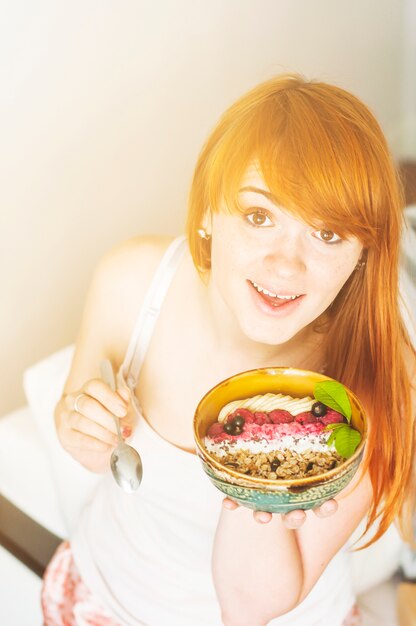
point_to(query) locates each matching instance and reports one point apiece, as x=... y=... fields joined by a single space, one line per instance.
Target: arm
x=87 y=431
x=257 y=569
x=262 y=571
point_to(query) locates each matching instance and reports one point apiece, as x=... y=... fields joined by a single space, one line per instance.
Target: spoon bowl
x=125 y=461
x=126 y=465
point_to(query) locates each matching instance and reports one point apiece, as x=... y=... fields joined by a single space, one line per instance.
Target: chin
x=268 y=336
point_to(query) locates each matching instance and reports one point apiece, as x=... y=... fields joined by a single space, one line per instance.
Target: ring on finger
x=76 y=401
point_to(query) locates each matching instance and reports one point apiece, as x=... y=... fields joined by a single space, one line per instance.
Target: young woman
x=294 y=193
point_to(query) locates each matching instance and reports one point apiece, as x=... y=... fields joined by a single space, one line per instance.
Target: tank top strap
x=149 y=312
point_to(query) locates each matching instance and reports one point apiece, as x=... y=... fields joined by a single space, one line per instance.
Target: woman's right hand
x=85 y=423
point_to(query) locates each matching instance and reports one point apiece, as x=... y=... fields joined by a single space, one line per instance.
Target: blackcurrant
x=229 y=428
x=237 y=430
x=239 y=420
x=318 y=409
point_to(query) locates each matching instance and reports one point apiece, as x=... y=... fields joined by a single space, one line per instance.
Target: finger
x=93 y=460
x=294 y=519
x=111 y=400
x=229 y=504
x=326 y=509
x=80 y=441
x=262 y=517
x=128 y=423
x=91 y=428
x=92 y=409
x=124 y=392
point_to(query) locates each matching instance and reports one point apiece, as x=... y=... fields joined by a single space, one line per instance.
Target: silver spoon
x=125 y=461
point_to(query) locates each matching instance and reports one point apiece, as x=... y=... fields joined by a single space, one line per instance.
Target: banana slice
x=268 y=402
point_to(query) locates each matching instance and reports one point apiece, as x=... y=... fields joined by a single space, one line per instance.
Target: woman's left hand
x=293 y=519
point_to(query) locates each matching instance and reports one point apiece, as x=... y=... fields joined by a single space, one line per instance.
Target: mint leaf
x=334 y=426
x=331 y=438
x=333 y=394
x=347 y=440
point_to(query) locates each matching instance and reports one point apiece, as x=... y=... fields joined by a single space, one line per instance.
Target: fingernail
x=295 y=521
x=120 y=410
x=126 y=431
x=327 y=508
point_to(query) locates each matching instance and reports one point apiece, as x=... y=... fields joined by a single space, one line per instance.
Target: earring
x=203 y=234
x=360 y=265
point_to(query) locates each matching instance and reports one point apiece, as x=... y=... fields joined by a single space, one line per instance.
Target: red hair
x=323 y=156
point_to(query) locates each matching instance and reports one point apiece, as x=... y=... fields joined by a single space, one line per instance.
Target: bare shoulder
x=123 y=277
x=409 y=356
x=133 y=260
x=116 y=293
x=125 y=271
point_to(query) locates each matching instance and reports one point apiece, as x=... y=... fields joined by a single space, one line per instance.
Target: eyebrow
x=265 y=193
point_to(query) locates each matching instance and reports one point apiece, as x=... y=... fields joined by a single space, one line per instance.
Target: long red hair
x=324 y=157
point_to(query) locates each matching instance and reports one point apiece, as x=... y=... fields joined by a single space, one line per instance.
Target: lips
x=275 y=300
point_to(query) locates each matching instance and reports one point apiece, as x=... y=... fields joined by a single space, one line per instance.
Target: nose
x=285 y=260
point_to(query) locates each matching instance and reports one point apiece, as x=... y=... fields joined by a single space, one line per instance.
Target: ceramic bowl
x=261 y=494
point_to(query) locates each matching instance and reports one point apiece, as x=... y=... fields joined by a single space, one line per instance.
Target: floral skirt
x=66 y=601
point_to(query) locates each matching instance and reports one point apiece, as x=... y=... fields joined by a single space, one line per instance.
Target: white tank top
x=147 y=555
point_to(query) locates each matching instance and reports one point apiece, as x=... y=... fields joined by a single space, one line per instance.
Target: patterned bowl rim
x=293 y=482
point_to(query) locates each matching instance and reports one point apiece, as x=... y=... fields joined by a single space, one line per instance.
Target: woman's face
x=274 y=273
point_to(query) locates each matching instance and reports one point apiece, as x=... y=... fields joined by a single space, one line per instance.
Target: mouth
x=275 y=300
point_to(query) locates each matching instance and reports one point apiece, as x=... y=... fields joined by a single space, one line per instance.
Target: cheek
x=348 y=263
x=336 y=274
x=227 y=251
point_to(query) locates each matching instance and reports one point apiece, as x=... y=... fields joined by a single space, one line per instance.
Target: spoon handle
x=107 y=374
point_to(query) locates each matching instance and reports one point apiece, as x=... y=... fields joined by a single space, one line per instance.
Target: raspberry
x=280 y=416
x=331 y=417
x=215 y=429
x=261 y=418
x=246 y=413
x=306 y=418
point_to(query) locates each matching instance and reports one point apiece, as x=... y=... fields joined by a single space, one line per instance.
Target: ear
x=206 y=223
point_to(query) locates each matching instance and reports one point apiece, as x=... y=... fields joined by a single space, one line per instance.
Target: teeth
x=273 y=295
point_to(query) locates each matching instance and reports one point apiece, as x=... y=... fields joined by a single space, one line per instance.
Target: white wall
x=104 y=106
x=405 y=134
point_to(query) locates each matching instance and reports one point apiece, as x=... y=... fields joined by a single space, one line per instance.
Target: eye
x=258 y=218
x=328 y=236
